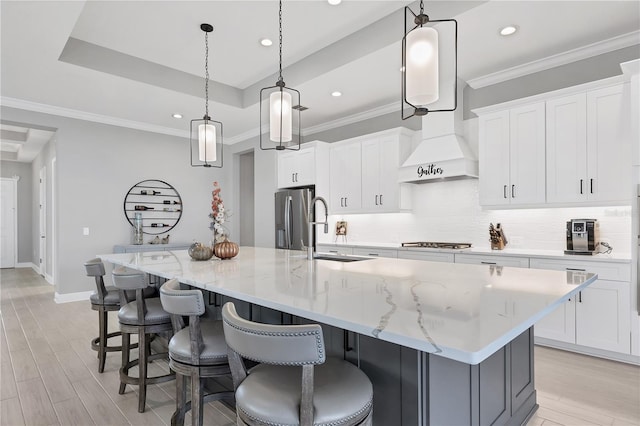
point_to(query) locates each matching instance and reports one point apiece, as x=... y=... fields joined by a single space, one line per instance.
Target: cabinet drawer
x=375 y=252
x=327 y=248
x=605 y=271
x=518 y=262
x=421 y=255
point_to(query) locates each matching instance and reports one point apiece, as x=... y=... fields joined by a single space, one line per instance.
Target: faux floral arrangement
x=218 y=215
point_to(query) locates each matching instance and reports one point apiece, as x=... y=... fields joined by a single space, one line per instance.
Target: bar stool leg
x=196 y=398
x=102 y=347
x=126 y=339
x=181 y=401
x=142 y=369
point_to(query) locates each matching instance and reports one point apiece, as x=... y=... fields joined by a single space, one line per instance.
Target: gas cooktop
x=429 y=244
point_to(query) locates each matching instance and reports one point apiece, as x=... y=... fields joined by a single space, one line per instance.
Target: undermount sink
x=339 y=257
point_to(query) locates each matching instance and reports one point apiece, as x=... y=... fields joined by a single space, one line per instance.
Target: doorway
x=8 y=222
x=43 y=220
x=246 y=202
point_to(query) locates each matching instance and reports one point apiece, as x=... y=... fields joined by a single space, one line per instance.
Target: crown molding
x=354 y=118
x=88 y=116
x=559 y=59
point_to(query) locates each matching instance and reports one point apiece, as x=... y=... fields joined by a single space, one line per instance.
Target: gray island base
x=443 y=344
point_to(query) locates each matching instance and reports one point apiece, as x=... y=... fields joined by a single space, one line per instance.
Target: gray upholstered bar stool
x=197 y=351
x=104 y=300
x=144 y=317
x=283 y=389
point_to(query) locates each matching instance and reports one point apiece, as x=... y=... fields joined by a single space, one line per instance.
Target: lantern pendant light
x=280 y=111
x=205 y=140
x=422 y=83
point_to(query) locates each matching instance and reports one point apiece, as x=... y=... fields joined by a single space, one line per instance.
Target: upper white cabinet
x=512 y=156
x=296 y=168
x=304 y=167
x=381 y=191
x=588 y=148
x=345 y=174
x=364 y=173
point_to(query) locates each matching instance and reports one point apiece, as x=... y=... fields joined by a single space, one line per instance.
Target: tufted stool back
x=197 y=351
x=283 y=388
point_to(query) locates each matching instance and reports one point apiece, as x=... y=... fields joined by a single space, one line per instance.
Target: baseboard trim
x=71 y=297
x=613 y=356
x=48 y=278
x=26 y=265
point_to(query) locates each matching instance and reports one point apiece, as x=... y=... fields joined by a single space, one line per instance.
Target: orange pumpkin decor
x=225 y=249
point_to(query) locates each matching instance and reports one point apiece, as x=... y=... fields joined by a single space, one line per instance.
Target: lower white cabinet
x=377 y=252
x=518 y=262
x=597 y=317
x=428 y=256
x=330 y=248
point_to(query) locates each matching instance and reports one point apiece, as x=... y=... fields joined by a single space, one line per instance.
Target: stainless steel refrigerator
x=291 y=218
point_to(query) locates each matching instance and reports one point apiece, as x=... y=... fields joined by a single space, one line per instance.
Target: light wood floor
x=49 y=373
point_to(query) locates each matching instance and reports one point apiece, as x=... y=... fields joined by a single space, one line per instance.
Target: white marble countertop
x=620 y=257
x=458 y=311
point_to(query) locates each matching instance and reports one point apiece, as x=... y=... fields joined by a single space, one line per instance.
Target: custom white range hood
x=443 y=153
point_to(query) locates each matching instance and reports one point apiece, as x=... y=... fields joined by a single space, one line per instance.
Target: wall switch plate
x=85 y=231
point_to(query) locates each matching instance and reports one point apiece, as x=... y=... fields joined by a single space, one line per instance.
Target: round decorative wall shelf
x=158 y=202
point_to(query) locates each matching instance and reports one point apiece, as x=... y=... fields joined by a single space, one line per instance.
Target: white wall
x=96 y=165
x=450 y=211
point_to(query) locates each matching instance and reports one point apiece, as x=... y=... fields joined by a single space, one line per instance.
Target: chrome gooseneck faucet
x=311 y=223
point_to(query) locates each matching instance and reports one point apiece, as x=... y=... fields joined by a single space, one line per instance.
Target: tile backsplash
x=450 y=211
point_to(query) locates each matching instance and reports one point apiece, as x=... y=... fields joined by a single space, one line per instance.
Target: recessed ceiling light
x=334 y=2
x=266 y=42
x=336 y=94
x=508 y=30
x=176 y=115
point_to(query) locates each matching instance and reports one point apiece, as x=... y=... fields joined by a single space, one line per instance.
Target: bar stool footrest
x=95 y=343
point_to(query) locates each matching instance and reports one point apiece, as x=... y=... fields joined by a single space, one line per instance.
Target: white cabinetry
x=345 y=187
x=380 y=161
x=426 y=255
x=364 y=173
x=588 y=148
x=376 y=252
x=303 y=167
x=597 y=317
x=512 y=156
x=328 y=248
x=478 y=259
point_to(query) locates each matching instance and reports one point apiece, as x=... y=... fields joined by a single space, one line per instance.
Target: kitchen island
x=443 y=343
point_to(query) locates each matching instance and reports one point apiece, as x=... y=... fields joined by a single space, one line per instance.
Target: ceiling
x=136 y=63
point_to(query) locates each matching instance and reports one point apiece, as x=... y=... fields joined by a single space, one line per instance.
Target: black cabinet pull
x=581 y=186
x=347 y=344
x=374 y=254
x=376 y=200
x=513 y=191
x=504 y=191
x=341 y=202
x=576 y=269
x=380 y=199
x=579 y=297
x=488 y=263
x=591 y=185
x=345 y=201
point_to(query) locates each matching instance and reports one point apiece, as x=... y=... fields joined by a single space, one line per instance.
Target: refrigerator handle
x=288 y=205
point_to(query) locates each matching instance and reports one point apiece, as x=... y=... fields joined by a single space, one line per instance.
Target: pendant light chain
x=280 y=26
x=421 y=7
x=206 y=78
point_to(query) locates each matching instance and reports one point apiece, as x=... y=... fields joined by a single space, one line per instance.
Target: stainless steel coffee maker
x=583 y=236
